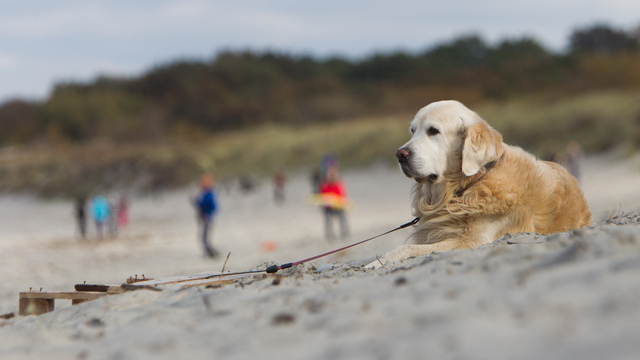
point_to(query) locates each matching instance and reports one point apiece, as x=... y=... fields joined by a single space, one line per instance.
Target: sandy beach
x=574 y=295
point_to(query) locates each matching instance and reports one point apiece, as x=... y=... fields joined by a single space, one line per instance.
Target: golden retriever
x=471 y=188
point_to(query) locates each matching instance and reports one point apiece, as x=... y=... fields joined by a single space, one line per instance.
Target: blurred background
x=146 y=95
x=130 y=102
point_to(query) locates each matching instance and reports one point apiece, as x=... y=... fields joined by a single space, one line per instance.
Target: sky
x=45 y=42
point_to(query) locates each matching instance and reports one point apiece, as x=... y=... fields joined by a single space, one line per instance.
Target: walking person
x=206 y=206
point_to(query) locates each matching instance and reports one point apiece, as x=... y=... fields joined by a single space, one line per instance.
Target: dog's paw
x=402 y=252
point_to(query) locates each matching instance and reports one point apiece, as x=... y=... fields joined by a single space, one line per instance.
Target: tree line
x=236 y=89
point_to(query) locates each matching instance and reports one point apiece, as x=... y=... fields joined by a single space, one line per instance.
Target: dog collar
x=477 y=176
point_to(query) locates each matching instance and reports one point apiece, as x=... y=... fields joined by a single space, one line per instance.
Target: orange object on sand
x=269 y=245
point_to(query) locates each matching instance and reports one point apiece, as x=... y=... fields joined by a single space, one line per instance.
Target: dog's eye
x=432 y=131
x=412 y=130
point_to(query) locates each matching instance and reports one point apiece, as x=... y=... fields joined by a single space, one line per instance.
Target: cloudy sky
x=43 y=42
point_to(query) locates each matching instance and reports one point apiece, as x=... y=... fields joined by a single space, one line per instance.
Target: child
x=334 y=197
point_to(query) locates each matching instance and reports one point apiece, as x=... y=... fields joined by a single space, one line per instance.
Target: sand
x=526 y=296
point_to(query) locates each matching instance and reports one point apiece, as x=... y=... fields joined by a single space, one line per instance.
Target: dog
x=471 y=188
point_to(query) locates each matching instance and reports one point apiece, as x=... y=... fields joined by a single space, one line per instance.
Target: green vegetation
x=597 y=120
x=249 y=113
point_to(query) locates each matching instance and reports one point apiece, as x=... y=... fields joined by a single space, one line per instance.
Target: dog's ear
x=482 y=144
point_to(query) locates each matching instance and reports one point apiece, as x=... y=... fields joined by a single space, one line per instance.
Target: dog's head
x=446 y=134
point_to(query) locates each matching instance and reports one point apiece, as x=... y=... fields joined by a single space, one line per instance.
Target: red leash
x=275 y=268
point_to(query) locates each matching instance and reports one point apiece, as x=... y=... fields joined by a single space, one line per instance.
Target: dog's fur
x=471 y=188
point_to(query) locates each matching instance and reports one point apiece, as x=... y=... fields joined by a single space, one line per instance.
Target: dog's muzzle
x=404 y=159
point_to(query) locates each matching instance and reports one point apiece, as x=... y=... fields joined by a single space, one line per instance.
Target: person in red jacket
x=334 y=199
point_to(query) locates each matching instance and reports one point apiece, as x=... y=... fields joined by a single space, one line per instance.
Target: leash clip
x=412 y=222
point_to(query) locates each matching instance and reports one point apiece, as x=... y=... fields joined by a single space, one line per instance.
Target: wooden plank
x=36 y=303
x=109 y=289
x=67 y=295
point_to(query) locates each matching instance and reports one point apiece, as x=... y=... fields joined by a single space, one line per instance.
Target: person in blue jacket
x=207 y=207
x=100 y=213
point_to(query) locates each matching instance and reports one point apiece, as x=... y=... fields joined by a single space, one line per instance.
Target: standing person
x=100 y=213
x=81 y=216
x=206 y=205
x=123 y=213
x=279 y=182
x=334 y=198
x=112 y=222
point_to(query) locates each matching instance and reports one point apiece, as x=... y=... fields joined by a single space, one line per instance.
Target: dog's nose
x=402 y=154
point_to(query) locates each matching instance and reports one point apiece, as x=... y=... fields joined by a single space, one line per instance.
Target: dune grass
x=597 y=121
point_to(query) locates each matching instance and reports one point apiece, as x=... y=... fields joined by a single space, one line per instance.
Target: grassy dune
x=598 y=121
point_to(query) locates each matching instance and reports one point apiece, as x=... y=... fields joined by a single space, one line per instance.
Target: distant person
x=100 y=213
x=123 y=212
x=334 y=199
x=247 y=184
x=81 y=216
x=112 y=221
x=573 y=158
x=207 y=207
x=279 y=182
